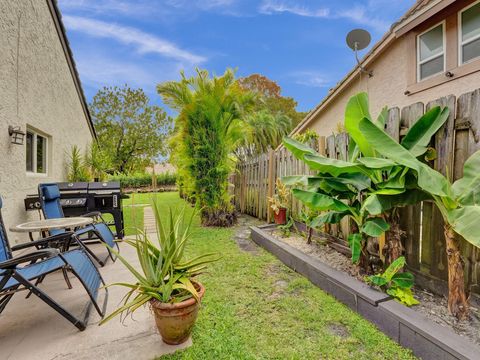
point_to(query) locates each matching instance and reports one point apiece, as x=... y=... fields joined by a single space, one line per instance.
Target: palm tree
x=210 y=125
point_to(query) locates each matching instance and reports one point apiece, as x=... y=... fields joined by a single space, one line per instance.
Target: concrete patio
x=29 y=329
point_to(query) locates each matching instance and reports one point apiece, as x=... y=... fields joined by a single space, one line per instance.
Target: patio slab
x=30 y=329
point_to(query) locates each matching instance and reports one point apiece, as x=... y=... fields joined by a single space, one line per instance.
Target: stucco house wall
x=37 y=91
x=392 y=72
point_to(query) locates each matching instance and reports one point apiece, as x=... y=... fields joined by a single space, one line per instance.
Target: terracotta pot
x=281 y=217
x=175 y=321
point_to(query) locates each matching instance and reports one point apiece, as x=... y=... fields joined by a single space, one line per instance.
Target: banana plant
x=459 y=203
x=367 y=187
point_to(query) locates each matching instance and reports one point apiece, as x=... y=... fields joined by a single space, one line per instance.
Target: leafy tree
x=366 y=188
x=270 y=97
x=457 y=202
x=131 y=132
x=76 y=167
x=210 y=125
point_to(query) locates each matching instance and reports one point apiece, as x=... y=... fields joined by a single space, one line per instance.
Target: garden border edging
x=407 y=327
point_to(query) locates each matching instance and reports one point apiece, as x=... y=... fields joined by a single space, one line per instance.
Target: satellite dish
x=359 y=39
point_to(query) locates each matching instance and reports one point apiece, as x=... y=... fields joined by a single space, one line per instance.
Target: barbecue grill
x=78 y=198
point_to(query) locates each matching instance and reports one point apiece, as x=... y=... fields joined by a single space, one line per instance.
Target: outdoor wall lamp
x=16 y=135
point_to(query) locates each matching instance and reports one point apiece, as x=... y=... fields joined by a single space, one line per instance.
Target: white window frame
x=461 y=43
x=443 y=53
x=35 y=134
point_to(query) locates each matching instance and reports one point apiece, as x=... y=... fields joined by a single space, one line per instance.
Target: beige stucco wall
x=47 y=101
x=387 y=87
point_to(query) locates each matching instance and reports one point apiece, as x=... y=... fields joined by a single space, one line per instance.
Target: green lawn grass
x=257 y=308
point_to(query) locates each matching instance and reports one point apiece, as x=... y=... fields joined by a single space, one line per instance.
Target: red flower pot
x=281 y=217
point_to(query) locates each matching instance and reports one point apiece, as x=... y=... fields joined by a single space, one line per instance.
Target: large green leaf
x=379 y=204
x=355 y=243
x=333 y=167
x=428 y=179
x=319 y=202
x=394 y=268
x=376 y=163
x=467 y=189
x=420 y=134
x=295 y=180
x=382 y=117
x=465 y=221
x=297 y=148
x=404 y=279
x=356 y=110
x=375 y=227
x=331 y=217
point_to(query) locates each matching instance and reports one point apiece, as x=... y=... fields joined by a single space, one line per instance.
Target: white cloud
x=142 y=41
x=358 y=14
x=276 y=6
x=310 y=78
x=107 y=6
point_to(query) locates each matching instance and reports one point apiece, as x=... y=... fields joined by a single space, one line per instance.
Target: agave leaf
x=128 y=266
x=137 y=300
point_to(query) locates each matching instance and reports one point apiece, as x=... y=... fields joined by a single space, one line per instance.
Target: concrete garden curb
x=407 y=327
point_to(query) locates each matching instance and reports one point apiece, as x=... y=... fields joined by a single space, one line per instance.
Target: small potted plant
x=279 y=203
x=165 y=280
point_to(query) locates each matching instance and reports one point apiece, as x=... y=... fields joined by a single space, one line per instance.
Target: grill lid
x=73 y=186
x=110 y=185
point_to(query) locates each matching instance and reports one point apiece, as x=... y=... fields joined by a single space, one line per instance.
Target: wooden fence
x=424 y=243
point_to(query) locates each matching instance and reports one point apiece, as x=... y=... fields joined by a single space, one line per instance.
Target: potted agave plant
x=165 y=279
x=279 y=203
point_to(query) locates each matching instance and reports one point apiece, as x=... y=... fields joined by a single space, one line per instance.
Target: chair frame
x=78 y=232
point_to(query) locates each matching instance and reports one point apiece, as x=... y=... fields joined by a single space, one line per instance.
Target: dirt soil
x=431 y=305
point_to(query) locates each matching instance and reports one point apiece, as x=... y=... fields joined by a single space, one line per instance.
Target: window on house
x=36 y=153
x=431 y=52
x=469 y=33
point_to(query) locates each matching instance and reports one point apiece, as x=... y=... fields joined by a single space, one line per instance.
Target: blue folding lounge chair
x=49 y=195
x=19 y=273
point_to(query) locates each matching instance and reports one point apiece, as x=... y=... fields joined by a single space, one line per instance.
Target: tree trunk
x=393 y=248
x=457 y=299
x=309 y=236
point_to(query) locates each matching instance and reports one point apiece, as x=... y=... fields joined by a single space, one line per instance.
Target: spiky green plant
x=164 y=274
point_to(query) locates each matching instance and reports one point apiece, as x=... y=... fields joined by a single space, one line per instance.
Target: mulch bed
x=431 y=305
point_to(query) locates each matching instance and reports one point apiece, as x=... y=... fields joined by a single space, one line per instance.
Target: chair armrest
x=41 y=254
x=92 y=214
x=66 y=236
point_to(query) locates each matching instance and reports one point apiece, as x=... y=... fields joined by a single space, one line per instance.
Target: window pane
x=41 y=154
x=29 y=151
x=431 y=67
x=471 y=50
x=471 y=22
x=431 y=43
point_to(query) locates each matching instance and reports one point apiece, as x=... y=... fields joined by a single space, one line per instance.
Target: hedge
x=143 y=179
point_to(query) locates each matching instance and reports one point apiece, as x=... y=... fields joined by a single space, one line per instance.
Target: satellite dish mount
x=357 y=40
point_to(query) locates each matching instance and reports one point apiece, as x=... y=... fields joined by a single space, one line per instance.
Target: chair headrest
x=50 y=192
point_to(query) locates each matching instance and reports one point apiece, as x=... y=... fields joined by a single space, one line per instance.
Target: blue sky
x=298 y=43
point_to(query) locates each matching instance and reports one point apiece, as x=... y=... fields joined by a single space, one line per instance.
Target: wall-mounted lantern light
x=16 y=135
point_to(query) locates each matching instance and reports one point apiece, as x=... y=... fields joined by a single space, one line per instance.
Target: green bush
x=143 y=179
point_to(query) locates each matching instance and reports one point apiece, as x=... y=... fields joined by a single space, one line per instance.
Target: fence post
x=321 y=145
x=271 y=182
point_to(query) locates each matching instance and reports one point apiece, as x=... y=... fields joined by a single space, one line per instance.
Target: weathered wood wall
x=424 y=244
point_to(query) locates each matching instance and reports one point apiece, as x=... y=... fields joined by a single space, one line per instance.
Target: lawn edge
x=407 y=327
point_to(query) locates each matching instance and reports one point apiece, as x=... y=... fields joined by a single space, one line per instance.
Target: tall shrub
x=209 y=127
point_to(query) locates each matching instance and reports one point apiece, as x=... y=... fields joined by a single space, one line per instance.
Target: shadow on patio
x=29 y=329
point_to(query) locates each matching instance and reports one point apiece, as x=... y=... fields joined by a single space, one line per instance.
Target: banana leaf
x=319 y=202
x=375 y=227
x=297 y=148
x=465 y=221
x=467 y=189
x=356 y=110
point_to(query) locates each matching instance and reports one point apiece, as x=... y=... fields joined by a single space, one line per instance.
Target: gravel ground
x=432 y=306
